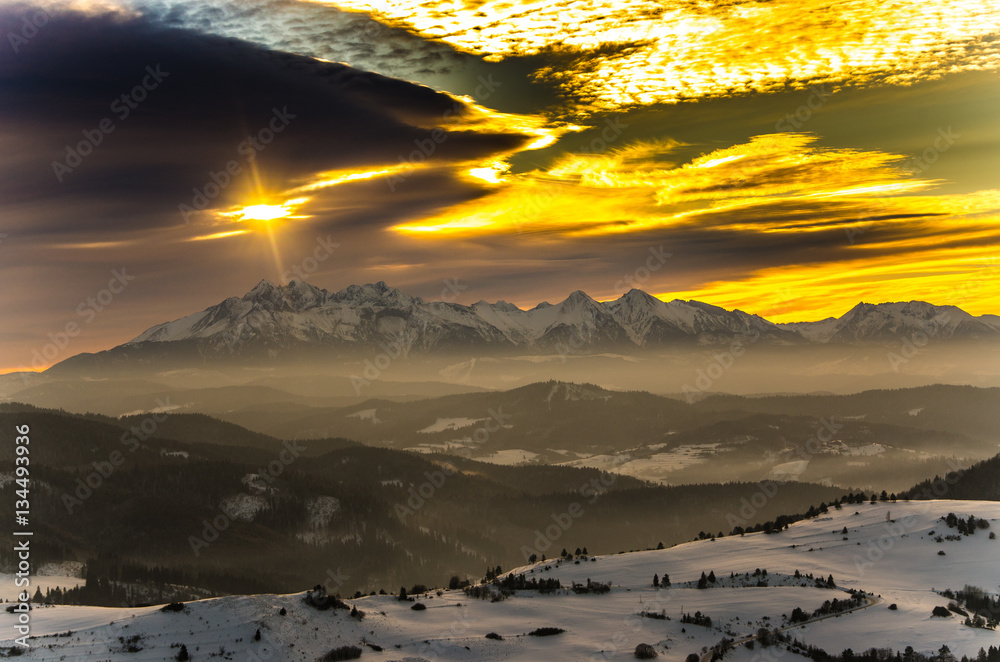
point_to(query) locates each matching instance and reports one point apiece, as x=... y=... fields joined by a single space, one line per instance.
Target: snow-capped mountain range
x=271 y=318
x=868 y=322
x=378 y=314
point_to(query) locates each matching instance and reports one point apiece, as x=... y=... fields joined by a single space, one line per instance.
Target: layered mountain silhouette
x=272 y=321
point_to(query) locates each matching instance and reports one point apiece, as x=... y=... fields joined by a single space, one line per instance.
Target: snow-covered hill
x=916 y=320
x=896 y=561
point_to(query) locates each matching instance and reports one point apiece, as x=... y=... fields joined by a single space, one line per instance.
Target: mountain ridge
x=271 y=319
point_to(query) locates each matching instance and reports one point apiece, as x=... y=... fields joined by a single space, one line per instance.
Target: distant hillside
x=965 y=409
x=980 y=481
x=136 y=498
x=872 y=440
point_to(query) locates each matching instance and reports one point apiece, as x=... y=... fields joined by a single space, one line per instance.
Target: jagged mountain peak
x=637 y=300
x=271 y=319
x=263 y=286
x=262 y=290
x=578 y=299
x=708 y=307
x=913 y=308
x=897 y=321
x=296 y=296
x=500 y=305
x=376 y=294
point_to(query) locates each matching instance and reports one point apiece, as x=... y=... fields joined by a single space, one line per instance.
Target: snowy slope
x=897 y=562
x=895 y=321
x=278 y=316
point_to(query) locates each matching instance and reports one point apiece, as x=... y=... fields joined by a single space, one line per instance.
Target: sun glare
x=263 y=212
x=266 y=213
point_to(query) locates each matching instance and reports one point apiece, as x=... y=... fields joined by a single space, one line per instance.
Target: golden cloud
x=964 y=277
x=774 y=183
x=618 y=53
x=887 y=230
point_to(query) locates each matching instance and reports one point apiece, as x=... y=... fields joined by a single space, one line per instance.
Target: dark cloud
x=203 y=97
x=318 y=30
x=358 y=39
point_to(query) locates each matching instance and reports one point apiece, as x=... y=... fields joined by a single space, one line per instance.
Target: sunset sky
x=792 y=158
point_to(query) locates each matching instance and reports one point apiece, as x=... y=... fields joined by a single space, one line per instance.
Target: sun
x=266 y=213
x=263 y=212
x=266 y=219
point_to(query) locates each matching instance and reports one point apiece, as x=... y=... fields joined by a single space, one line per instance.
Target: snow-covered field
x=788 y=470
x=602 y=462
x=447 y=424
x=656 y=467
x=9 y=591
x=509 y=456
x=897 y=561
x=366 y=415
x=50 y=575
